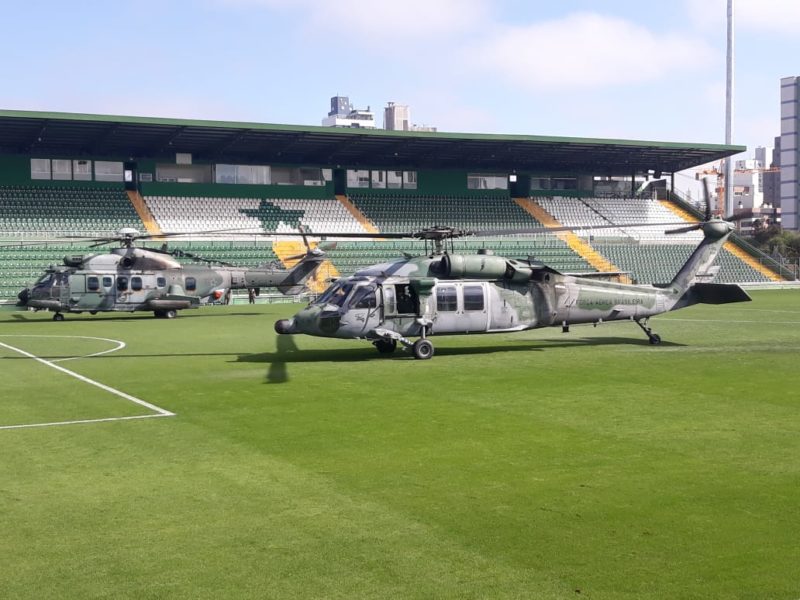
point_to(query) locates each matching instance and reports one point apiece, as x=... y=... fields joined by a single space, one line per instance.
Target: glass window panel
x=379 y=179
x=473 y=297
x=82 y=170
x=394 y=180
x=225 y=174
x=40 y=168
x=446 y=299
x=105 y=170
x=357 y=178
x=410 y=180
x=92 y=284
x=62 y=169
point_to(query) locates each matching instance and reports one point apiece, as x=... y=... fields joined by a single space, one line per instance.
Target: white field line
x=120 y=344
x=160 y=411
x=30 y=425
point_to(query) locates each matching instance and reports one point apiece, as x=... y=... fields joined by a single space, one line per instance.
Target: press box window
x=473 y=297
x=446 y=299
x=92 y=284
x=122 y=284
x=136 y=283
x=191 y=284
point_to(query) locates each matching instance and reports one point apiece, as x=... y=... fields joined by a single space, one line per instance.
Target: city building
x=342 y=114
x=790 y=126
x=397 y=117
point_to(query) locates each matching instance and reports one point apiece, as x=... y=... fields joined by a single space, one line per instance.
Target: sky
x=633 y=69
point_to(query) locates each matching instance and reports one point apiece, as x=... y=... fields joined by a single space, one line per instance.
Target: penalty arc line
x=102 y=386
x=120 y=345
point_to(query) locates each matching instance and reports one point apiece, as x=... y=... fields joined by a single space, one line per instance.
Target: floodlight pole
x=727 y=209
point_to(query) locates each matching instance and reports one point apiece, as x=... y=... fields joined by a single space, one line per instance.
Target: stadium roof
x=72 y=135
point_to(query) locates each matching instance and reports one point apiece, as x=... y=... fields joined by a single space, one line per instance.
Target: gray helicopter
x=444 y=293
x=128 y=279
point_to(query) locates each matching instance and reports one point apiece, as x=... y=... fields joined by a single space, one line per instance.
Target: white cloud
x=585 y=50
x=778 y=16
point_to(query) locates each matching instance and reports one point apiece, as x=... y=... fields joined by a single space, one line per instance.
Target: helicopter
x=443 y=293
x=128 y=279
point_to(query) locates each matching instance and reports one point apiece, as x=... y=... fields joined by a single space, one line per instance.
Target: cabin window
x=191 y=284
x=389 y=303
x=406 y=301
x=107 y=281
x=136 y=283
x=473 y=297
x=122 y=284
x=161 y=282
x=446 y=299
x=92 y=284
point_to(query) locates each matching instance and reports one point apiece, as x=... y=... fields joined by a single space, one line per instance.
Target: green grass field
x=534 y=465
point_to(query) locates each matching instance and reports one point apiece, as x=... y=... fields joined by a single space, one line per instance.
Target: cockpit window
x=336 y=294
x=364 y=297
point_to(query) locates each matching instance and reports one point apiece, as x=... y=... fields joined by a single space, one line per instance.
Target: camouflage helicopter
x=444 y=293
x=128 y=279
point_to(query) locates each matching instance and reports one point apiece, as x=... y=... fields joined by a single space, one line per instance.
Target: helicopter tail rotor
x=707 y=218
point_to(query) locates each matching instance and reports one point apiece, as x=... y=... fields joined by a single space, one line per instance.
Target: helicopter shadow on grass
x=22 y=317
x=287 y=352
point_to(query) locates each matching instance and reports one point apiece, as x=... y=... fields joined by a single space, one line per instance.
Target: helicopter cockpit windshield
x=336 y=294
x=51 y=280
x=348 y=294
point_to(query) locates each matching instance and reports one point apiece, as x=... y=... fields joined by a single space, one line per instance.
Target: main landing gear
x=654 y=338
x=58 y=317
x=387 y=344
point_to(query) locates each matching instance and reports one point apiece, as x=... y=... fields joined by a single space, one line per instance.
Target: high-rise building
x=342 y=114
x=397 y=117
x=789 y=157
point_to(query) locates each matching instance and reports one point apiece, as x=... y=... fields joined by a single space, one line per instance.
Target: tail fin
x=699 y=268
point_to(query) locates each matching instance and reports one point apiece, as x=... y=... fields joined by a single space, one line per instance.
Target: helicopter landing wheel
x=58 y=317
x=423 y=349
x=655 y=339
x=92 y=312
x=385 y=346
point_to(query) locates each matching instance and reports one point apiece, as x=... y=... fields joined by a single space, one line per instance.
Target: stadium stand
x=410 y=213
x=55 y=211
x=250 y=215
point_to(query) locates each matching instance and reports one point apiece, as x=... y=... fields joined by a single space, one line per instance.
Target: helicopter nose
x=285 y=326
x=23 y=297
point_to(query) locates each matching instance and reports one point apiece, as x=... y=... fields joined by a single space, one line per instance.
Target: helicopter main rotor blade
x=694 y=227
x=535 y=230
